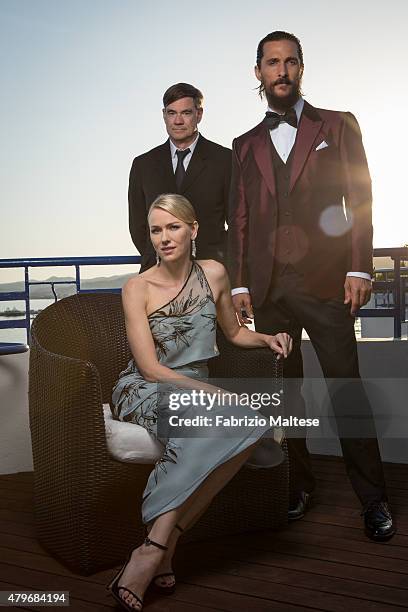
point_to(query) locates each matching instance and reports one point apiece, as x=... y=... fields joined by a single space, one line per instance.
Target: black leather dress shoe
x=299 y=507
x=378 y=521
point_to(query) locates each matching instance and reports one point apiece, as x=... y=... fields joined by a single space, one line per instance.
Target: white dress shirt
x=186 y=160
x=283 y=138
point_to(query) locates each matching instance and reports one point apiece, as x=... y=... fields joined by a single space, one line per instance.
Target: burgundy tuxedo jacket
x=330 y=196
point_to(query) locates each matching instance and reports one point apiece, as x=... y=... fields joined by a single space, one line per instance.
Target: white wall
x=15 y=441
x=384 y=367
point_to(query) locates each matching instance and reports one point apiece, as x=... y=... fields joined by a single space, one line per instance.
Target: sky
x=82 y=83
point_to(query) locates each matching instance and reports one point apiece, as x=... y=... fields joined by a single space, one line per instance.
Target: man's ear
x=199 y=114
x=257 y=73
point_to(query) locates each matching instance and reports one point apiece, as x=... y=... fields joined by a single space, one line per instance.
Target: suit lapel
x=309 y=127
x=196 y=165
x=263 y=156
x=165 y=168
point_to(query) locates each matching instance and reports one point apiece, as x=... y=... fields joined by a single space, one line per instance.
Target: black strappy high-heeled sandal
x=161 y=589
x=114 y=587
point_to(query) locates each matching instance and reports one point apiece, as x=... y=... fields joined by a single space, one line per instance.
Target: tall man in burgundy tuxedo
x=297 y=261
x=186 y=163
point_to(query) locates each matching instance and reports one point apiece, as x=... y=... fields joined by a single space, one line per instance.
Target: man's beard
x=286 y=102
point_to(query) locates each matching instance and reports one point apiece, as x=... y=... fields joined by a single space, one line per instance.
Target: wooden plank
x=347 y=499
x=295 y=595
x=327 y=584
x=17 y=477
x=326 y=516
x=322 y=562
x=349 y=517
x=20 y=517
x=343 y=485
x=342 y=480
x=223 y=598
x=9 y=493
x=187 y=599
x=14 y=527
x=270 y=554
x=373 y=549
x=78 y=587
x=16 y=505
x=21 y=543
x=75 y=604
x=335 y=465
x=351 y=534
x=24 y=487
x=38 y=562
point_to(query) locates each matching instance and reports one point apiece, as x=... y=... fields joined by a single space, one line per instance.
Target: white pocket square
x=322 y=145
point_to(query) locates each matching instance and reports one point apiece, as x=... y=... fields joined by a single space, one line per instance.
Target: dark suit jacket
x=206 y=186
x=331 y=244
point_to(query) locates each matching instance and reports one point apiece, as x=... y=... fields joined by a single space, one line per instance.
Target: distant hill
x=44 y=291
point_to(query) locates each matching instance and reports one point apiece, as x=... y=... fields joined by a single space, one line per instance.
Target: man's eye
x=186 y=113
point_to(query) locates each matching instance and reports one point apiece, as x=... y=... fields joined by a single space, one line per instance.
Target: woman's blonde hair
x=176 y=205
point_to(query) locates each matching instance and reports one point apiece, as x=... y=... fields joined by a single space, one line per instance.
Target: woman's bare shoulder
x=213 y=268
x=135 y=288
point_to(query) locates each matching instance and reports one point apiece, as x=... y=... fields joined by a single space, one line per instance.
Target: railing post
x=397 y=297
x=27 y=302
x=77 y=279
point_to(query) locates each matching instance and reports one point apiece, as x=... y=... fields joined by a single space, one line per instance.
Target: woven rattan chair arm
x=65 y=406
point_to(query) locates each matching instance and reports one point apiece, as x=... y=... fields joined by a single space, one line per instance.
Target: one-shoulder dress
x=184 y=333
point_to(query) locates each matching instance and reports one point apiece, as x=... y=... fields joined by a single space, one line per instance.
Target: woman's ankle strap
x=149 y=542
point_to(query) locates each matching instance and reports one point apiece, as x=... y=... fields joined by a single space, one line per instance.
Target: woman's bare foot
x=165 y=566
x=138 y=574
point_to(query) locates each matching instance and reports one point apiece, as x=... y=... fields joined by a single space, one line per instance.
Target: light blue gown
x=184 y=333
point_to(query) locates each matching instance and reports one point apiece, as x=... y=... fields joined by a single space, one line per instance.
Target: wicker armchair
x=87 y=505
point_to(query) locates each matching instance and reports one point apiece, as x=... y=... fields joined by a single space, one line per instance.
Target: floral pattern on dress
x=169 y=455
x=179 y=329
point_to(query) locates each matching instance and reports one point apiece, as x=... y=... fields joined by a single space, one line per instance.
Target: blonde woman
x=171 y=312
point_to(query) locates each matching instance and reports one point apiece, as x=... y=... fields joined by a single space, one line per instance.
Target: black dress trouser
x=330 y=328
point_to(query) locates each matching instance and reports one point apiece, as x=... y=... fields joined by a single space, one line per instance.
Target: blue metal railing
x=396 y=286
x=26 y=264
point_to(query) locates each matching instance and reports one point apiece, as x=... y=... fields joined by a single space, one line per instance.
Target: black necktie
x=274 y=119
x=180 y=170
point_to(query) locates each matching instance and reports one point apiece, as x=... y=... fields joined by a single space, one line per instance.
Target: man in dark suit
x=189 y=164
x=297 y=261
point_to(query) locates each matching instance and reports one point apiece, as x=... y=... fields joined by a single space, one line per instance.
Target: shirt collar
x=174 y=149
x=298 y=108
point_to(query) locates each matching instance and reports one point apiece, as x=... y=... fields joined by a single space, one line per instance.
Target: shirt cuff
x=360 y=275
x=239 y=290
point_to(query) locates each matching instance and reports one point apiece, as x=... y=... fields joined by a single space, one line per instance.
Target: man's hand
x=357 y=291
x=243 y=307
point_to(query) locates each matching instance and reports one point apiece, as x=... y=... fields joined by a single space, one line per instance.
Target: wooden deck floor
x=323 y=562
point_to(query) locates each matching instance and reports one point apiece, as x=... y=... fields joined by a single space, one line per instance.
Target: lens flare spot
x=333 y=221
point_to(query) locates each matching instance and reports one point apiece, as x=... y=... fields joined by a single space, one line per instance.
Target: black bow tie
x=274 y=119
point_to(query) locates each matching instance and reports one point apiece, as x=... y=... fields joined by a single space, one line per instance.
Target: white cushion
x=130 y=442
